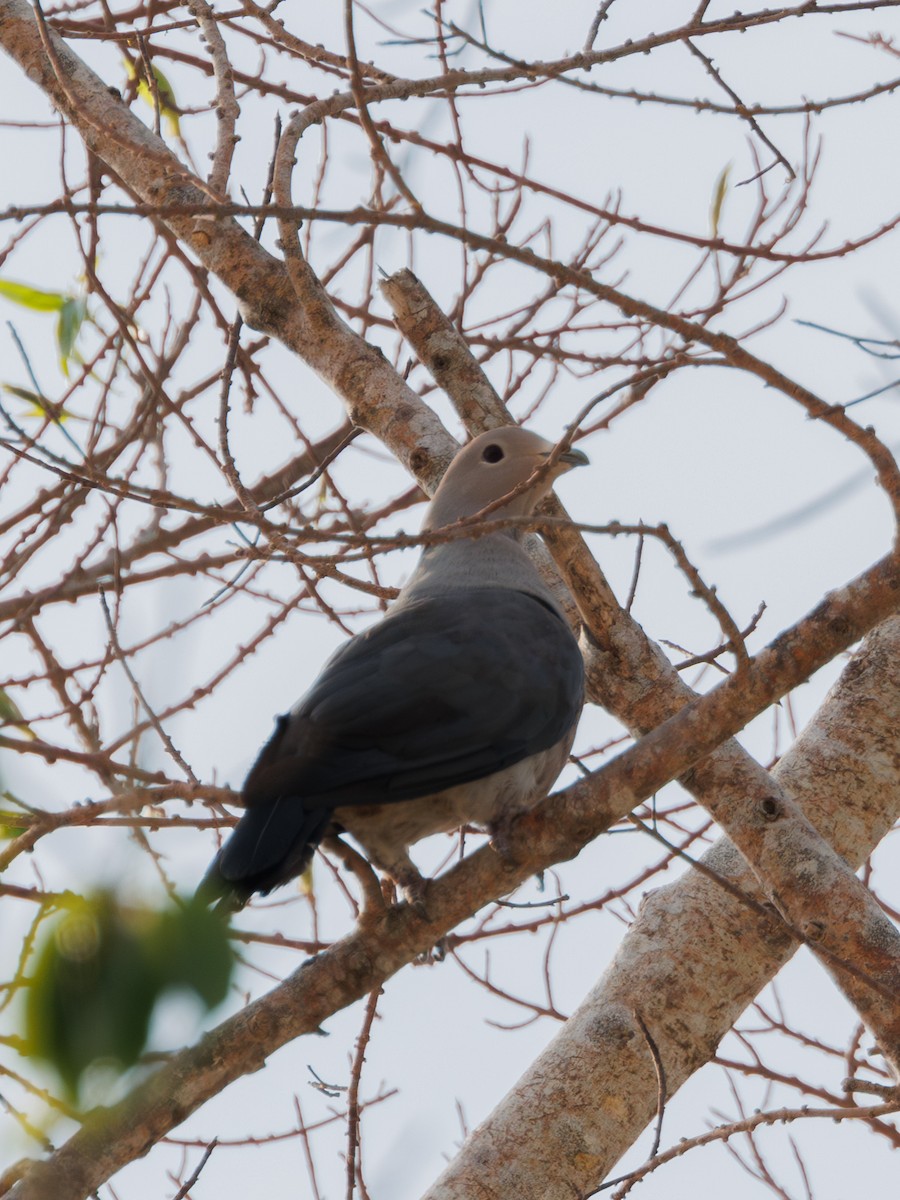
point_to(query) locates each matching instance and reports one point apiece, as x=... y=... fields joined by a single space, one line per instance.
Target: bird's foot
x=501 y=837
x=374 y=901
x=414 y=887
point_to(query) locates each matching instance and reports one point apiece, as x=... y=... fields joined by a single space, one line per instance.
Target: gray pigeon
x=459 y=707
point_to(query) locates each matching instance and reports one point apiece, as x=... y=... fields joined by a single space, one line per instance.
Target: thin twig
x=353 y=1110
x=183 y=1191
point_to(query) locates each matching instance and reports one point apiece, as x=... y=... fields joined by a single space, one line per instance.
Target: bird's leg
x=395 y=863
x=405 y=874
x=373 y=900
x=500 y=832
x=411 y=882
x=390 y=855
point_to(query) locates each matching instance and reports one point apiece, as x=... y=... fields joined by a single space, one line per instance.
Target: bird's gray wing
x=443 y=691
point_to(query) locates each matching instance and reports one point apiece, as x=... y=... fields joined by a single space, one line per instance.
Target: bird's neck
x=497 y=560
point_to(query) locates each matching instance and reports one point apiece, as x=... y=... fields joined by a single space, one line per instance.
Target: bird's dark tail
x=271 y=844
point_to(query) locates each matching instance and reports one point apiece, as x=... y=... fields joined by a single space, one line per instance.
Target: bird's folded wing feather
x=443 y=691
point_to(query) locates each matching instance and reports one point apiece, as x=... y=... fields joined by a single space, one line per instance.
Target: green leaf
x=72 y=311
x=9 y=710
x=10 y=715
x=306 y=883
x=9 y=823
x=92 y=993
x=322 y=496
x=193 y=950
x=29 y=297
x=168 y=105
x=40 y=405
x=718 y=200
x=71 y=316
x=24 y=394
x=102 y=969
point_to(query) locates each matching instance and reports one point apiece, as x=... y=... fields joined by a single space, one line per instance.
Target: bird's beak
x=574 y=458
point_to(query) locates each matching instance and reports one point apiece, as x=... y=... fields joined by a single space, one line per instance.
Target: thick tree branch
x=693 y=960
x=828 y=906
x=269 y=291
x=554 y=831
x=375 y=396
x=289 y=301
x=824 y=903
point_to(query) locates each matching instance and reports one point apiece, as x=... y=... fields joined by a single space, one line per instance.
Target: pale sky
x=712 y=454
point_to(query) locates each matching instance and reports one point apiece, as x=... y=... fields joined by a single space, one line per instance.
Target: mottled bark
x=793 y=865
x=692 y=961
x=572 y=1129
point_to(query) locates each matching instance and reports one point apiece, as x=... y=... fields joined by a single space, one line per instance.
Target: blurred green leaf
x=40 y=406
x=92 y=994
x=101 y=971
x=71 y=316
x=168 y=105
x=72 y=311
x=29 y=297
x=322 y=494
x=718 y=201
x=193 y=950
x=10 y=715
x=24 y=394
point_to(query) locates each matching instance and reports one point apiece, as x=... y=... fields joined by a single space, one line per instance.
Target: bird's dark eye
x=492 y=453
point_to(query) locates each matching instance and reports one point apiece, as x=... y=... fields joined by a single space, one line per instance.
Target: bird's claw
x=414 y=894
x=501 y=839
x=414 y=888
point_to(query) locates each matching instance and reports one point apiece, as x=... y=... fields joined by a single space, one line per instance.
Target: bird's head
x=496 y=464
